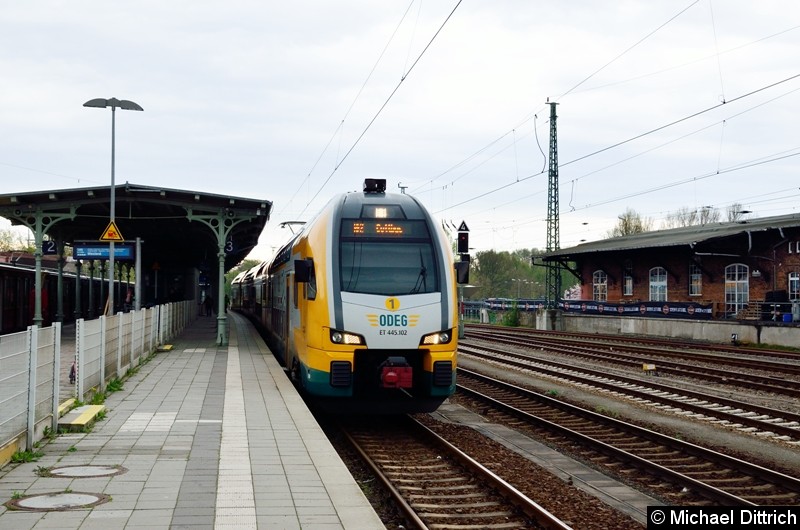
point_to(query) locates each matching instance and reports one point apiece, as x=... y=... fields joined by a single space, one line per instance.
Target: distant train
x=360 y=306
x=17 y=295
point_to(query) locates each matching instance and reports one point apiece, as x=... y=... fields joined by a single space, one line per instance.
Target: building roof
x=168 y=221
x=691 y=236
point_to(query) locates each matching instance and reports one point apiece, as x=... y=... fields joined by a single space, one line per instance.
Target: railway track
x=649 y=341
x=674 y=469
x=755 y=419
x=634 y=358
x=436 y=485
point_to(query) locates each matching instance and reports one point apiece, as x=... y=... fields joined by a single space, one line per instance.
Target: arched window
x=737 y=288
x=695 y=280
x=794 y=286
x=599 y=286
x=627 y=279
x=658 y=284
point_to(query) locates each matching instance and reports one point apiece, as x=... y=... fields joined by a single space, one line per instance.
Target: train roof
x=352 y=203
x=690 y=236
x=239 y=277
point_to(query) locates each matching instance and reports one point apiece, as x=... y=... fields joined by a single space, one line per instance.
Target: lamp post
x=124 y=104
x=519 y=282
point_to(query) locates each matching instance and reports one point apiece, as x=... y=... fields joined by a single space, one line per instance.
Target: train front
x=393 y=311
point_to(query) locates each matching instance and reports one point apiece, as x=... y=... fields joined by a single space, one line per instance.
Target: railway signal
x=463 y=239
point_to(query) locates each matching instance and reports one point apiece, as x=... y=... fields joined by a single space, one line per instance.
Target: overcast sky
x=662 y=105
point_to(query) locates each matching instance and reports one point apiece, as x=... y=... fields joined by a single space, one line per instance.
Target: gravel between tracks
x=575 y=507
x=566 y=502
x=770 y=453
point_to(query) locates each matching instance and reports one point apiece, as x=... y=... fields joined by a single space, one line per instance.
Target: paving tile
x=211 y=437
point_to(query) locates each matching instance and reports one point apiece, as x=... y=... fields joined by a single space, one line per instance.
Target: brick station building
x=747 y=269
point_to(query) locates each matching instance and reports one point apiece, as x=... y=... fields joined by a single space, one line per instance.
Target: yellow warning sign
x=111 y=233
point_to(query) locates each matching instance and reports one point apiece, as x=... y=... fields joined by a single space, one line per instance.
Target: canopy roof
x=178 y=227
x=695 y=237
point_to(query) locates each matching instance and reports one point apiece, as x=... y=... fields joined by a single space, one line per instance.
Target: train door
x=3 y=298
x=287 y=321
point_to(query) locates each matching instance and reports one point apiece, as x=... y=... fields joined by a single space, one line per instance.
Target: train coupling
x=395 y=372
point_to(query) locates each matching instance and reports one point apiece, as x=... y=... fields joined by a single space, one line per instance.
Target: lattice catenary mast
x=553 y=277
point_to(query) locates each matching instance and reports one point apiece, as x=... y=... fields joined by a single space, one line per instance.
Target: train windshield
x=391 y=260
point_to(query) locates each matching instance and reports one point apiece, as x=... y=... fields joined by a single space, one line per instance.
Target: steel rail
x=765 y=383
x=527 y=506
x=565 y=371
x=710 y=492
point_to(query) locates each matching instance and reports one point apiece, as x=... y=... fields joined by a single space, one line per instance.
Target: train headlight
x=440 y=337
x=343 y=337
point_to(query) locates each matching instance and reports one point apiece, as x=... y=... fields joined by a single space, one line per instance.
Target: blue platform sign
x=100 y=251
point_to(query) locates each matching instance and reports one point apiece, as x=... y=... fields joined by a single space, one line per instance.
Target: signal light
x=463 y=243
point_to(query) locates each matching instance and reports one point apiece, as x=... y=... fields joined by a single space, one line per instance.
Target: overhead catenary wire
x=383 y=106
x=631 y=139
x=685 y=118
x=716 y=55
x=637 y=43
x=716 y=47
x=534 y=114
x=746 y=165
x=687 y=135
x=339 y=128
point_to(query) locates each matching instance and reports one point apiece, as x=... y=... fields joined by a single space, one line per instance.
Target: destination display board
x=100 y=251
x=384 y=228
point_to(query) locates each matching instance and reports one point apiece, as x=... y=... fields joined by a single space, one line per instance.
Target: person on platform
x=208 y=305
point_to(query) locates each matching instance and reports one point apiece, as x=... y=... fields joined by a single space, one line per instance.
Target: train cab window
x=599 y=286
x=389 y=258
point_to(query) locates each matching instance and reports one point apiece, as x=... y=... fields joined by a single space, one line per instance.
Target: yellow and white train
x=361 y=305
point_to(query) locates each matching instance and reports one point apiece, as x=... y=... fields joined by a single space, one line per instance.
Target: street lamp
x=519 y=283
x=124 y=104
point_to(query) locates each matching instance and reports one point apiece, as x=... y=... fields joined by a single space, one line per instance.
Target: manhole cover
x=84 y=471
x=48 y=502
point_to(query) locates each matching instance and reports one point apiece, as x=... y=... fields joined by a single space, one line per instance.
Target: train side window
x=305 y=273
x=311 y=285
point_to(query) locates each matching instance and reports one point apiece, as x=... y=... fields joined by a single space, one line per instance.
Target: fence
x=104 y=349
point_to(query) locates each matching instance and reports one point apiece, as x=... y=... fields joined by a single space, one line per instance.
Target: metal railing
x=104 y=349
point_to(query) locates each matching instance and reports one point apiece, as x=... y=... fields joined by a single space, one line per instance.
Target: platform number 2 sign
x=49 y=247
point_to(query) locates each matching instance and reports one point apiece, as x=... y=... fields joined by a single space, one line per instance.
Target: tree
x=735 y=213
x=11 y=239
x=692 y=217
x=506 y=275
x=234 y=272
x=631 y=222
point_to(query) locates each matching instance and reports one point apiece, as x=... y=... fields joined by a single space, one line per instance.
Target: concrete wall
x=775 y=334
x=749 y=332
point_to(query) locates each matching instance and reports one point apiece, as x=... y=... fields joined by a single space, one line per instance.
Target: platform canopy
x=179 y=228
x=734 y=237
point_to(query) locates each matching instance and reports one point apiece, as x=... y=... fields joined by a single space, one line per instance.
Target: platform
x=202 y=436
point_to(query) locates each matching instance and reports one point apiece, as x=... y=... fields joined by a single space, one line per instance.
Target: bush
x=511 y=318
